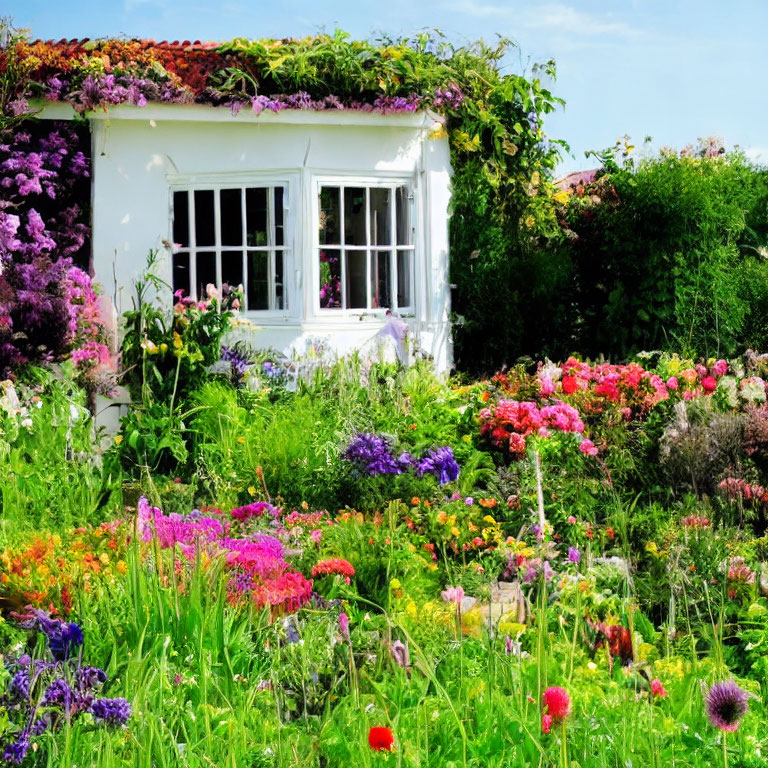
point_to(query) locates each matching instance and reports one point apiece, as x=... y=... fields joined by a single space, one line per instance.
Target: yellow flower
x=489 y=519
x=395 y=584
x=411 y=609
x=104 y=557
x=122 y=567
x=561 y=197
x=251 y=490
x=455 y=531
x=240 y=439
x=177 y=342
x=118 y=439
x=529 y=222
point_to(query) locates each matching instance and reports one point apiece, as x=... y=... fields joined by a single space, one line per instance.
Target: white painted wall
x=140 y=153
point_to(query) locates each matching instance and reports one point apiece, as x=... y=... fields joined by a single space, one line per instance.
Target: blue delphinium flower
x=440 y=463
x=111 y=711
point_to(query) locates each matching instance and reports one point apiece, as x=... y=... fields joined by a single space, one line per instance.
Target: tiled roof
x=576 y=178
x=177 y=45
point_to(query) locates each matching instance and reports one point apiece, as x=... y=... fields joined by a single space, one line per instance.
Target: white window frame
x=368 y=182
x=217 y=182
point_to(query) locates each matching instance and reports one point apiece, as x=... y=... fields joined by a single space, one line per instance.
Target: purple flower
x=573 y=555
x=19 y=686
x=726 y=704
x=469 y=501
x=238 y=361
x=344 y=625
x=440 y=463
x=400 y=654
x=111 y=711
x=15 y=752
x=372 y=454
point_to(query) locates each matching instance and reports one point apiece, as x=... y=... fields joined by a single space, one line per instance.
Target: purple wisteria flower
x=440 y=463
x=726 y=703
x=372 y=454
x=111 y=711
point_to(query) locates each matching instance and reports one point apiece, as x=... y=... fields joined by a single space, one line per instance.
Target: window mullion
x=271 y=243
x=368 y=266
x=393 y=248
x=217 y=237
x=243 y=215
x=192 y=245
x=342 y=250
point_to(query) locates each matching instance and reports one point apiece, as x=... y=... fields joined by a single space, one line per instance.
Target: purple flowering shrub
x=46 y=694
x=48 y=308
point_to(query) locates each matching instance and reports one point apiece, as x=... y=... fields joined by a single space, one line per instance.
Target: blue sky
x=674 y=70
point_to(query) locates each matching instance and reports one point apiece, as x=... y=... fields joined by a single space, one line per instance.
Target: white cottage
x=329 y=219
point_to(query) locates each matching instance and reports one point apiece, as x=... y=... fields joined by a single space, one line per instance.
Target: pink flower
x=344 y=625
x=556 y=703
x=588 y=448
x=672 y=383
x=546 y=386
x=316 y=535
x=720 y=368
x=709 y=384
x=657 y=689
x=546 y=723
x=453 y=595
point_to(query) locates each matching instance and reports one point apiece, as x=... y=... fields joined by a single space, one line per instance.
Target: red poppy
x=380 y=738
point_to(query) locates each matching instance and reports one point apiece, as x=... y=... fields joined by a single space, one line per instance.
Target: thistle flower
x=380 y=738
x=726 y=703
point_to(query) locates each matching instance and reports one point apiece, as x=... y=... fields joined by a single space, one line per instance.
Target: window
x=234 y=235
x=365 y=247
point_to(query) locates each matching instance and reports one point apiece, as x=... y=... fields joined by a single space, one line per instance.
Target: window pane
x=279 y=228
x=181 y=219
x=181 y=272
x=279 y=288
x=354 y=216
x=257 y=215
x=206 y=272
x=232 y=268
x=330 y=279
x=231 y=217
x=403 y=217
x=357 y=280
x=328 y=203
x=404 y=278
x=382 y=280
x=204 y=219
x=380 y=217
x=258 y=280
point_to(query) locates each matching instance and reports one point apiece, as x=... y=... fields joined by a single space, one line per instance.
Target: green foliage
x=667 y=255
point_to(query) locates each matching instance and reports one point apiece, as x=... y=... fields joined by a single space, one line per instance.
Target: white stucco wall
x=139 y=154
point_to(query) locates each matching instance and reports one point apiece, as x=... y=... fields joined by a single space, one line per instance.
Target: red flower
x=334 y=565
x=569 y=385
x=556 y=703
x=546 y=723
x=380 y=738
x=708 y=384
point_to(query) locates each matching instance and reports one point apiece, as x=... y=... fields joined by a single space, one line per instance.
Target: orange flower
x=415 y=501
x=488 y=503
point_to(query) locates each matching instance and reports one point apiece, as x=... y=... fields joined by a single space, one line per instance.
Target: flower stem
x=563 y=746
x=725 y=750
